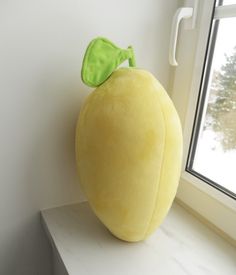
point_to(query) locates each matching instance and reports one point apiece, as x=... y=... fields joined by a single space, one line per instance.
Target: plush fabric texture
x=129 y=150
x=102 y=57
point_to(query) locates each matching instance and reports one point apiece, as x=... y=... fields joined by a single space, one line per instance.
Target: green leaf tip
x=101 y=58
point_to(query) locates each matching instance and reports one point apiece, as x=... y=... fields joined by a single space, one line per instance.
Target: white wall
x=41 y=49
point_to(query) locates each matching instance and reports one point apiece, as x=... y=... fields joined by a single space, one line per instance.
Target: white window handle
x=180 y=14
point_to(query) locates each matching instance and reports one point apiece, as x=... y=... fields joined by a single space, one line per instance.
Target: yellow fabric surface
x=129 y=151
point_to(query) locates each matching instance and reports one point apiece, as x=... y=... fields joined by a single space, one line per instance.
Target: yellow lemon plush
x=128 y=144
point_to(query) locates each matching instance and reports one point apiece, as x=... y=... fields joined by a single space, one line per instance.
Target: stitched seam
x=160 y=176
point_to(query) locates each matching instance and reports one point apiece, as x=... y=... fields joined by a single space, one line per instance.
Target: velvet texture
x=129 y=151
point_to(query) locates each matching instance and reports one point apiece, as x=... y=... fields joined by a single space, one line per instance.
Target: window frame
x=210 y=203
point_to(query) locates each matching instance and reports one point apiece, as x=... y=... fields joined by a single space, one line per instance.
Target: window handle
x=180 y=14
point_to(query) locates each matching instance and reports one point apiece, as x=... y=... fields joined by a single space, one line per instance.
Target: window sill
x=182 y=245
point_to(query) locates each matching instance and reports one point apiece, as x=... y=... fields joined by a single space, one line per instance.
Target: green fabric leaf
x=102 y=57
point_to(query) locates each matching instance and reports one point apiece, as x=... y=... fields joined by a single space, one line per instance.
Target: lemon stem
x=132 y=62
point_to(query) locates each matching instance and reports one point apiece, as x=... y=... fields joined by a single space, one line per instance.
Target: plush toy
x=128 y=143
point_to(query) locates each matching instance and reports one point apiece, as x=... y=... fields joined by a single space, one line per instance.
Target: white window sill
x=182 y=245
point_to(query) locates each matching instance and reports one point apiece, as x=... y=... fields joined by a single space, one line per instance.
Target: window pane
x=215 y=154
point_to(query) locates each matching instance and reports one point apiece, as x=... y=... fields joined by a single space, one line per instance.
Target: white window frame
x=213 y=205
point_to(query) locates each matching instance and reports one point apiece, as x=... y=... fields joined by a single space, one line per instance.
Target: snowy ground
x=212 y=162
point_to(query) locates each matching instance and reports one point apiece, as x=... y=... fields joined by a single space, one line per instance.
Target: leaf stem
x=132 y=62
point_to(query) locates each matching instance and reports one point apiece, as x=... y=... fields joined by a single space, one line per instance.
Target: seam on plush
x=160 y=176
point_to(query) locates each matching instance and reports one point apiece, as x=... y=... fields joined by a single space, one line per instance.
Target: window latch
x=181 y=13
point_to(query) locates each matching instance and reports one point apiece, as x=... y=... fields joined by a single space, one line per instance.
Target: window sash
x=225 y=11
x=218 y=12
